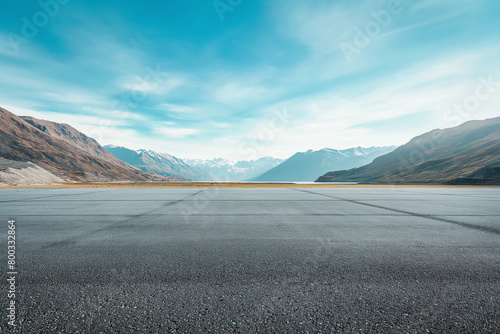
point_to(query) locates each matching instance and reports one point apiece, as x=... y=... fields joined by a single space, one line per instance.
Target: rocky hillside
x=466 y=154
x=74 y=137
x=25 y=141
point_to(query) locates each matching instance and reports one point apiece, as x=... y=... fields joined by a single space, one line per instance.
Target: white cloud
x=20 y=80
x=175 y=132
x=127 y=115
x=323 y=25
x=337 y=118
x=181 y=109
x=104 y=130
x=151 y=82
x=331 y=106
x=239 y=92
x=71 y=119
x=221 y=125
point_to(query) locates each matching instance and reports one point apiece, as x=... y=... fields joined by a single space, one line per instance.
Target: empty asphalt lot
x=254 y=260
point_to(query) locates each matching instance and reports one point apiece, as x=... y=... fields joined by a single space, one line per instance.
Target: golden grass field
x=234 y=185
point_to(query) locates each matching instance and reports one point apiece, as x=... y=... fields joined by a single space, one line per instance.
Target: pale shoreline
x=238 y=185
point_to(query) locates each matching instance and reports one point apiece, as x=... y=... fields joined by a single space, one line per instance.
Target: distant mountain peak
x=307 y=166
x=458 y=155
x=159 y=163
x=225 y=170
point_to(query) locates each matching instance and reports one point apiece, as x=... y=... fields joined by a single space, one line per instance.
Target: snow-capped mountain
x=308 y=166
x=225 y=170
x=159 y=163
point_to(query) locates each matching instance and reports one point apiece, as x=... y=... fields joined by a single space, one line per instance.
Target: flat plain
x=255 y=260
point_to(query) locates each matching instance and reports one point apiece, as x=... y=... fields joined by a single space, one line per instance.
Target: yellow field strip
x=234 y=185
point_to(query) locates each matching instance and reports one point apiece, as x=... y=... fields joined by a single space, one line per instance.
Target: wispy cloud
x=161 y=83
x=175 y=132
x=179 y=86
x=181 y=109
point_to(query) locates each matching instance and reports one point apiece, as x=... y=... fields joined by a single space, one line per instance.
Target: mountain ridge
x=74 y=137
x=25 y=142
x=309 y=165
x=226 y=170
x=158 y=163
x=438 y=156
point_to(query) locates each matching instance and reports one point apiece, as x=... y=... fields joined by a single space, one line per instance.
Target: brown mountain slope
x=21 y=141
x=435 y=157
x=75 y=138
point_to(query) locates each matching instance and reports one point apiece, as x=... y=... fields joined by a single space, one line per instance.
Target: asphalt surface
x=254 y=260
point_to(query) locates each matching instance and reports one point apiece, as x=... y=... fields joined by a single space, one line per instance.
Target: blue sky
x=245 y=79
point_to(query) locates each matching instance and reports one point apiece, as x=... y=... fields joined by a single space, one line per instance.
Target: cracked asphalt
x=254 y=260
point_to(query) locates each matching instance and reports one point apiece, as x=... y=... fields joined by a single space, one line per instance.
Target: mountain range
x=225 y=170
x=159 y=163
x=60 y=150
x=37 y=151
x=465 y=154
x=308 y=166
